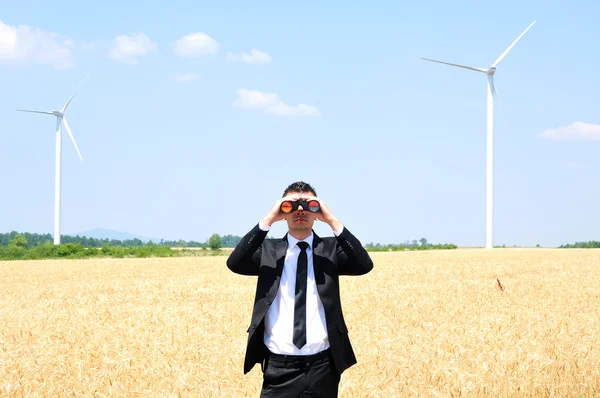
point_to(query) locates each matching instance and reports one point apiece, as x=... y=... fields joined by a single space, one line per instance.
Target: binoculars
x=310 y=205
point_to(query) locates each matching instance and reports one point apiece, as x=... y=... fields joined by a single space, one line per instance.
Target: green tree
x=18 y=241
x=214 y=242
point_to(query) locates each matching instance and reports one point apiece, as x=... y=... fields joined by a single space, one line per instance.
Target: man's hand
x=275 y=214
x=325 y=215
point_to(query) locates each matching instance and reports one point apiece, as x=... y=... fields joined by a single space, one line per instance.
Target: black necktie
x=300 y=300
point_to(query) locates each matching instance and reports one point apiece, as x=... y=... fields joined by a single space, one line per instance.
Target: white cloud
x=573 y=164
x=196 y=44
x=128 y=49
x=184 y=77
x=271 y=104
x=577 y=131
x=25 y=44
x=255 y=57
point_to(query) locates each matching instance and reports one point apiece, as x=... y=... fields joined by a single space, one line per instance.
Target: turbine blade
x=71 y=135
x=45 y=113
x=511 y=46
x=69 y=101
x=460 y=66
x=492 y=86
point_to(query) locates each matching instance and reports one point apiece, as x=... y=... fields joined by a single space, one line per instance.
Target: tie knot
x=302 y=245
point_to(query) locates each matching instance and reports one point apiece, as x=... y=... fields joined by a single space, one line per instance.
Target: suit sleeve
x=353 y=259
x=245 y=257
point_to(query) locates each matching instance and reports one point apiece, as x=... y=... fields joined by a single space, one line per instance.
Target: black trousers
x=299 y=376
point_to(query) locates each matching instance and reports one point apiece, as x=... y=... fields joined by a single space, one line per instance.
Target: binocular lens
x=286 y=207
x=313 y=206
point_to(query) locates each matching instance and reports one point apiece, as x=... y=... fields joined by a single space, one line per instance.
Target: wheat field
x=467 y=322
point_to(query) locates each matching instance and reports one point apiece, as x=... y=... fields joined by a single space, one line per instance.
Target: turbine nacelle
x=492 y=69
x=61 y=119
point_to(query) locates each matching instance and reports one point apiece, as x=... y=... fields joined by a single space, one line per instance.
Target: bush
x=12 y=252
x=47 y=250
x=18 y=241
x=70 y=250
x=92 y=252
x=215 y=242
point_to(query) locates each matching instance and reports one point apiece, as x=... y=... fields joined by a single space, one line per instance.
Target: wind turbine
x=60 y=120
x=491 y=93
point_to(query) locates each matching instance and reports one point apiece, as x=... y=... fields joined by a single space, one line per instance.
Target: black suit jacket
x=332 y=257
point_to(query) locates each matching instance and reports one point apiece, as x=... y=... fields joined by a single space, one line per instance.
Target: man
x=297 y=332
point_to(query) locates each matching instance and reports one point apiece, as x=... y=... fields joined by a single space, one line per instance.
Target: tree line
x=28 y=246
x=592 y=244
x=215 y=242
x=19 y=248
x=420 y=244
x=34 y=239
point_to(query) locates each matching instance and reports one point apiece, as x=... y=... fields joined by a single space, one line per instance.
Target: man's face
x=300 y=219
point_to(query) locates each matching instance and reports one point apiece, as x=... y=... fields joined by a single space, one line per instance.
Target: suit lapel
x=272 y=276
x=280 y=251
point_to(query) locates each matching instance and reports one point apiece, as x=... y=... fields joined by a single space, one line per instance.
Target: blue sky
x=186 y=131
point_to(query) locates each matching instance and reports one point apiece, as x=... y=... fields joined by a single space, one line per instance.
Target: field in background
x=422 y=323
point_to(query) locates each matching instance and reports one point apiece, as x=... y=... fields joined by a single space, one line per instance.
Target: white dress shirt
x=279 y=320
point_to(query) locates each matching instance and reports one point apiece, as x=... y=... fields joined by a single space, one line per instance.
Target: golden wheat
x=507 y=322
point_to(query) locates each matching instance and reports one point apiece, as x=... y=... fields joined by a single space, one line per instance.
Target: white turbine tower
x=60 y=120
x=491 y=93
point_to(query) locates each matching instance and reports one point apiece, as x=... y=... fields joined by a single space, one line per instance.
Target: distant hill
x=101 y=233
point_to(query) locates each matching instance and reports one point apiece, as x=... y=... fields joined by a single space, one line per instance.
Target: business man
x=297 y=332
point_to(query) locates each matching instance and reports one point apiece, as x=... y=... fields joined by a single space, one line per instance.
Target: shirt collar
x=293 y=241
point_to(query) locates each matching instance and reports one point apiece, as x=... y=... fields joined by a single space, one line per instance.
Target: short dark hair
x=299 y=186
